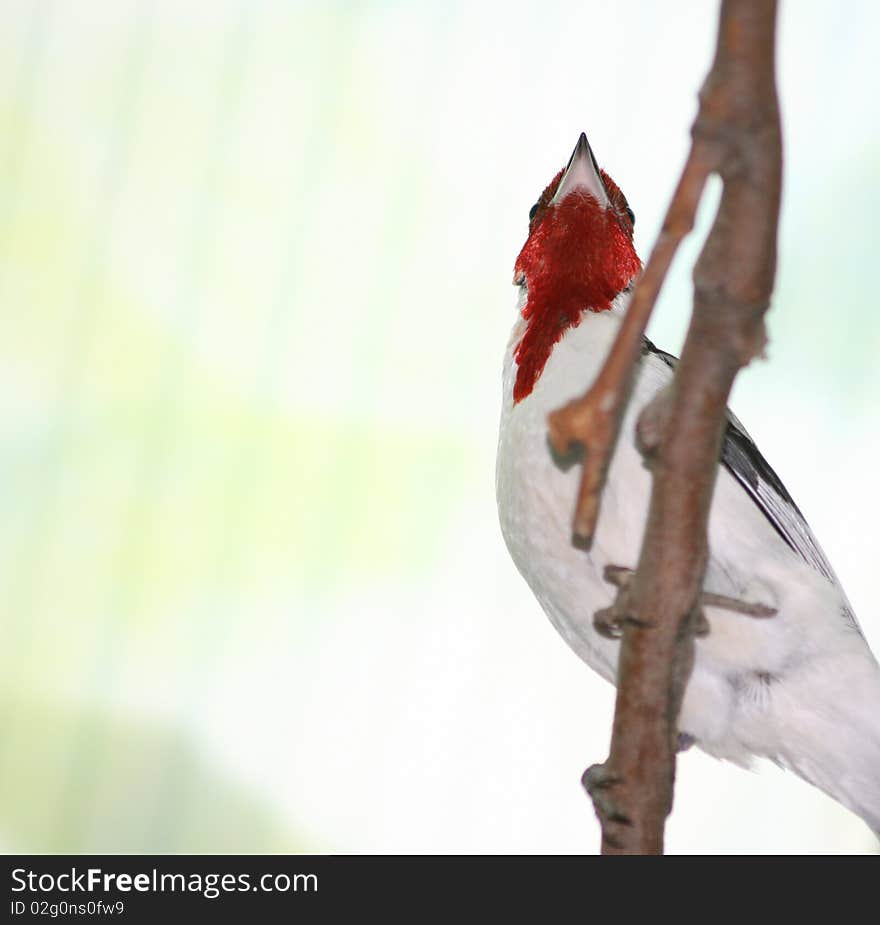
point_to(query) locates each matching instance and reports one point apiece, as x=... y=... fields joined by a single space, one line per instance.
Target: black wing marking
x=743 y=460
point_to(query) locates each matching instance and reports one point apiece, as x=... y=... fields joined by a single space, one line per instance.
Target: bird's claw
x=685 y=741
x=618 y=575
x=701 y=624
x=609 y=621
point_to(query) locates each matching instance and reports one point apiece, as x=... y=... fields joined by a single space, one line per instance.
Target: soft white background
x=256 y=268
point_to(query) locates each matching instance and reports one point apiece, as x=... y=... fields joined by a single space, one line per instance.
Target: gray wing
x=744 y=461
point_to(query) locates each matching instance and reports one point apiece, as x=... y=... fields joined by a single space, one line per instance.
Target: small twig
x=593 y=421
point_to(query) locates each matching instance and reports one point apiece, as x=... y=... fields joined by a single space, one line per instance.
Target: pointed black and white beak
x=582 y=173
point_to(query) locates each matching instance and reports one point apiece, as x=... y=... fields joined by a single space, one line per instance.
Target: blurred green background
x=255 y=265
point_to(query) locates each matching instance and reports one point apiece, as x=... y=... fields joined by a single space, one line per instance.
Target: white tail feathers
x=827 y=730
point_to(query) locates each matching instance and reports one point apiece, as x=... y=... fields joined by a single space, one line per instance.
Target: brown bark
x=737 y=135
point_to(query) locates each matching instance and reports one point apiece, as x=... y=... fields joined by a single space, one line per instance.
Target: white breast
x=536 y=496
x=749 y=560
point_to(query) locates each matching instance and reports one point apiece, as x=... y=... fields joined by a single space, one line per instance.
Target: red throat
x=579 y=257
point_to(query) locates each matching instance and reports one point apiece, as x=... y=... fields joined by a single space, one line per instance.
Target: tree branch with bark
x=658 y=608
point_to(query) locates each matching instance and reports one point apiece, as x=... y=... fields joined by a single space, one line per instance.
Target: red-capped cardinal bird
x=802 y=687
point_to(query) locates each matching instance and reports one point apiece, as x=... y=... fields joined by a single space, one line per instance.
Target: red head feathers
x=579 y=256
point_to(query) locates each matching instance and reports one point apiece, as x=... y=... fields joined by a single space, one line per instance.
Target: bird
x=801 y=688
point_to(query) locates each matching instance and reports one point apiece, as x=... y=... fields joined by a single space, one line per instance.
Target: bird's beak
x=582 y=173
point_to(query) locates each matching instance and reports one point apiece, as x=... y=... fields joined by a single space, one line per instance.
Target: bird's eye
x=632 y=216
x=532 y=211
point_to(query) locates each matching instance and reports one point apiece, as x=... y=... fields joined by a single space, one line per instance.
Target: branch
x=593 y=421
x=737 y=135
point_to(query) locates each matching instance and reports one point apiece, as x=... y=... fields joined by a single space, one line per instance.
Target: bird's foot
x=607 y=623
x=610 y=621
x=618 y=575
x=747 y=608
x=685 y=741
